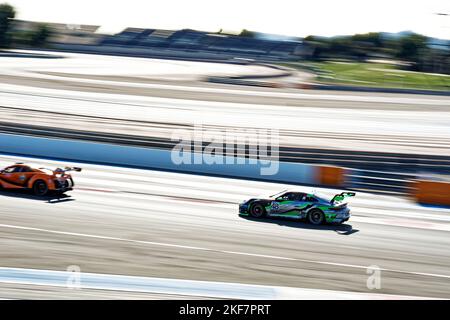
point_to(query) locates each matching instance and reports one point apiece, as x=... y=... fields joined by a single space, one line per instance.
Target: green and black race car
x=299 y=205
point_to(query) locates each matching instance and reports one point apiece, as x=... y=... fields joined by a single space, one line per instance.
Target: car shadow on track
x=52 y=198
x=342 y=229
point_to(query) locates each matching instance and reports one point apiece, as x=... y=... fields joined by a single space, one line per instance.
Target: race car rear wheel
x=257 y=210
x=316 y=217
x=40 y=188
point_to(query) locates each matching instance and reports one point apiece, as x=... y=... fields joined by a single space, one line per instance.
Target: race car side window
x=311 y=199
x=286 y=196
x=11 y=170
x=299 y=196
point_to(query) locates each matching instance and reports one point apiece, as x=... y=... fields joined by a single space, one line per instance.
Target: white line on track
x=183 y=287
x=403 y=222
x=75 y=234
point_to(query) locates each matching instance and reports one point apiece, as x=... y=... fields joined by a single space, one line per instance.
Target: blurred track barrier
x=380 y=90
x=161 y=159
x=244 y=82
x=298 y=168
x=156 y=159
x=304 y=86
x=431 y=192
x=319 y=86
x=331 y=176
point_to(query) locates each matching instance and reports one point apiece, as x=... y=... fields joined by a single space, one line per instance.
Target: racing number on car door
x=284 y=204
x=280 y=206
x=274 y=207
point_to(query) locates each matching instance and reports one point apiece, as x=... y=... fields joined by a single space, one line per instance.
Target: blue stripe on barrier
x=150 y=158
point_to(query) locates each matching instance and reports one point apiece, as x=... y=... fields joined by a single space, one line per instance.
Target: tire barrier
x=431 y=192
x=331 y=176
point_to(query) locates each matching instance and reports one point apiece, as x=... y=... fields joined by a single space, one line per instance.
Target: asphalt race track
x=160 y=224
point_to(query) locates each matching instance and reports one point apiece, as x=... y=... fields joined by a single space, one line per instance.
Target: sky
x=284 y=17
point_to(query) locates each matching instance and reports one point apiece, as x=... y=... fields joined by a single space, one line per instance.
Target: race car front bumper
x=243 y=208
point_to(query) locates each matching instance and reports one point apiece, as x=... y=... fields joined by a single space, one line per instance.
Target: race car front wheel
x=40 y=188
x=257 y=210
x=316 y=217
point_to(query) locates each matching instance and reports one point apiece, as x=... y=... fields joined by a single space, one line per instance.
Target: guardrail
x=363 y=160
x=318 y=86
x=158 y=159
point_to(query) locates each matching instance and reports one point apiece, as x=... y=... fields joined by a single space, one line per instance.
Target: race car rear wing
x=341 y=196
x=66 y=169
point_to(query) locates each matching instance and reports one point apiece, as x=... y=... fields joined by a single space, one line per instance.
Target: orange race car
x=41 y=181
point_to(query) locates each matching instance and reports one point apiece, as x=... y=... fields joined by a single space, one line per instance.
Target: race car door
x=287 y=205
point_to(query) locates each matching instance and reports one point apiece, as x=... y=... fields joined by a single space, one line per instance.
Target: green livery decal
x=340 y=197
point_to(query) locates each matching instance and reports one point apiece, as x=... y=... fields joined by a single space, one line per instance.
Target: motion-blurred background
x=361 y=91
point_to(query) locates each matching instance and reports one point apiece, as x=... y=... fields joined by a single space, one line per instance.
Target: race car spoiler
x=63 y=171
x=67 y=169
x=341 y=196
